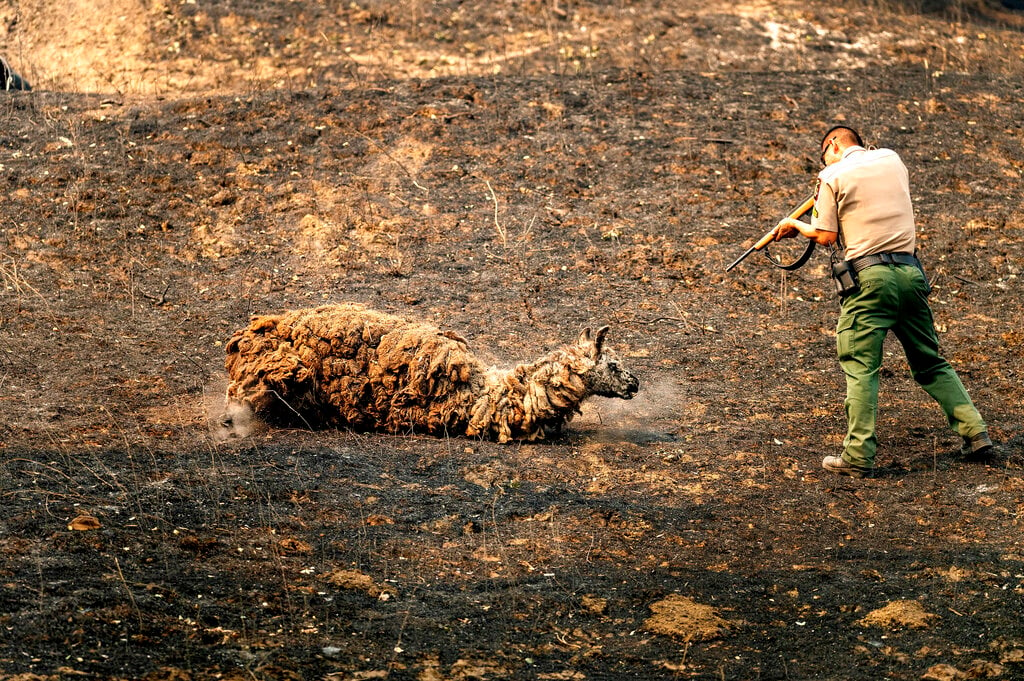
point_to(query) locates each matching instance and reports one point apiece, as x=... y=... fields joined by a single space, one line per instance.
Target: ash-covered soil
x=513 y=172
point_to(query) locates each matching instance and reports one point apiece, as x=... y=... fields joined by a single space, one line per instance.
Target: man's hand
x=787 y=229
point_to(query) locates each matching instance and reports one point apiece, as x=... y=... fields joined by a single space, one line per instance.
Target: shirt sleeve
x=825 y=216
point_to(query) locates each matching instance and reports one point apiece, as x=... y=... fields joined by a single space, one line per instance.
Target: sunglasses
x=828 y=143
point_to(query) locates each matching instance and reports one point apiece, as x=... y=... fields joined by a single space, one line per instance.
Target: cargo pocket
x=844 y=336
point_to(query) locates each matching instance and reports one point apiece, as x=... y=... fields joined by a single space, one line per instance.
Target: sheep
x=348 y=366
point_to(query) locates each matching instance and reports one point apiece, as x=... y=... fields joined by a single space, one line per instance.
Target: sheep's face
x=237 y=420
x=607 y=378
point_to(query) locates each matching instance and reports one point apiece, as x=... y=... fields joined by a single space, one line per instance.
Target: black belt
x=866 y=261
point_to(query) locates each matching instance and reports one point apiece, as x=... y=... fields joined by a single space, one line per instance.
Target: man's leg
x=860 y=354
x=916 y=332
x=866 y=317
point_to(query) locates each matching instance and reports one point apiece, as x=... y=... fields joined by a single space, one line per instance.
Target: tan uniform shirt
x=866 y=194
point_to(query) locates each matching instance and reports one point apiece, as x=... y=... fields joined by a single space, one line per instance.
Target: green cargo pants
x=893 y=297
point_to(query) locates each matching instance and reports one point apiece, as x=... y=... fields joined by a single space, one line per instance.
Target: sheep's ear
x=586 y=338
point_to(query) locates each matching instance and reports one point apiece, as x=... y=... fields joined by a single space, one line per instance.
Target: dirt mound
x=899 y=614
x=686 y=620
x=81 y=45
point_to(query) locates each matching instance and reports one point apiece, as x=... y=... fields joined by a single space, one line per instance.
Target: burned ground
x=512 y=172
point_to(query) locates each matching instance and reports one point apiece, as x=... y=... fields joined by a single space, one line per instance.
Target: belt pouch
x=844 y=277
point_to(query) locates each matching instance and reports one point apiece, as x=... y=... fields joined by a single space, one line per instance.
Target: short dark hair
x=843 y=132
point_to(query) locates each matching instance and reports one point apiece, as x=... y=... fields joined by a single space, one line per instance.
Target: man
x=862 y=201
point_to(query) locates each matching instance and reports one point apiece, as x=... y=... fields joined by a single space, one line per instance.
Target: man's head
x=836 y=141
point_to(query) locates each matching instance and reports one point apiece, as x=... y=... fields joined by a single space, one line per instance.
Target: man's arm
x=825 y=214
x=789 y=228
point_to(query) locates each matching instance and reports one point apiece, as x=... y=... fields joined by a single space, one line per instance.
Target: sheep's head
x=238 y=420
x=607 y=378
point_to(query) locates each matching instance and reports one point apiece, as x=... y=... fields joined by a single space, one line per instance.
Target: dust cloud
x=660 y=402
